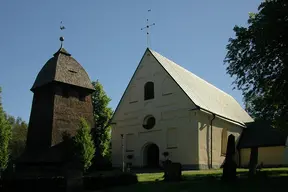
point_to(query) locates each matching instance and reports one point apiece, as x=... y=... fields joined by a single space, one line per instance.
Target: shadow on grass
x=265 y=178
x=147 y=170
x=263 y=181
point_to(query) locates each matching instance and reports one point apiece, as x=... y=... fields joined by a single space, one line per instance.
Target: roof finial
x=147 y=30
x=62 y=27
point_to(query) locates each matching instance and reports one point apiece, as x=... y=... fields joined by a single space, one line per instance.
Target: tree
x=19 y=134
x=84 y=145
x=5 y=135
x=102 y=115
x=258 y=57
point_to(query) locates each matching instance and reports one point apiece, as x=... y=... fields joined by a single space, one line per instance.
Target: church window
x=224 y=140
x=149 y=122
x=149 y=91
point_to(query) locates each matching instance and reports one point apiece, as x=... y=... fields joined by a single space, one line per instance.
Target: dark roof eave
x=90 y=90
x=261 y=145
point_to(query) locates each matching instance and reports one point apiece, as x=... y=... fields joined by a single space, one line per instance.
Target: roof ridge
x=210 y=84
x=215 y=100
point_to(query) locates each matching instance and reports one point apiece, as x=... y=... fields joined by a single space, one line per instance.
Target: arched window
x=149 y=91
x=224 y=141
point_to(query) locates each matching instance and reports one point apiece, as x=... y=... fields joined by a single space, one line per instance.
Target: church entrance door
x=152 y=156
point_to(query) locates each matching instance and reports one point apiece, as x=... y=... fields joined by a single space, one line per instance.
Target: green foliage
x=102 y=115
x=19 y=134
x=258 y=58
x=84 y=145
x=5 y=136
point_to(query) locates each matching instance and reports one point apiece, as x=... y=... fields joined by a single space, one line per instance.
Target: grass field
x=208 y=180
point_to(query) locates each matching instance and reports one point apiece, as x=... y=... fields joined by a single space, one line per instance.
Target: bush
x=84 y=146
x=55 y=184
x=100 y=163
x=102 y=181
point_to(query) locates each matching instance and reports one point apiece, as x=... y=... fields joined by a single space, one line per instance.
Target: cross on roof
x=147 y=30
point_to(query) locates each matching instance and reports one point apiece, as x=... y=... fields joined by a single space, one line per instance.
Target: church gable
x=150 y=87
x=203 y=94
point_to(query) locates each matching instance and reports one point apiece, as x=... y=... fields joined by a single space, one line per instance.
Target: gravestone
x=230 y=166
x=172 y=171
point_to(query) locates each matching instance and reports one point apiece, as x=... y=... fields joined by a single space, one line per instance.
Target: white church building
x=166 y=108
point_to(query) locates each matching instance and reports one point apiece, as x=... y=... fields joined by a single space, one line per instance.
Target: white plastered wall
x=204 y=127
x=170 y=107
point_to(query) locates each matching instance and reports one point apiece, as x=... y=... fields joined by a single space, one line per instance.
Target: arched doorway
x=151 y=156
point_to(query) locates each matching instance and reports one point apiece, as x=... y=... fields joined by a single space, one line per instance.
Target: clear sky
x=105 y=37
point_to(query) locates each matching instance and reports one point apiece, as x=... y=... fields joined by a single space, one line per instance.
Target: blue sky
x=105 y=37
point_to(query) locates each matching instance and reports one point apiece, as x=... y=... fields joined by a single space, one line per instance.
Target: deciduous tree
x=19 y=134
x=102 y=115
x=5 y=136
x=84 y=146
x=258 y=57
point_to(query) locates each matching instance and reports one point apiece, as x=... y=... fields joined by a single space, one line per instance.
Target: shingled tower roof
x=64 y=69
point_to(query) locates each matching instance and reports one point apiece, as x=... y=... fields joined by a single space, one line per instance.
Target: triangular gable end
x=130 y=84
x=201 y=93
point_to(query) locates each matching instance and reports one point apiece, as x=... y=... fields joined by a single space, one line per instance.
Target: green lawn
x=207 y=180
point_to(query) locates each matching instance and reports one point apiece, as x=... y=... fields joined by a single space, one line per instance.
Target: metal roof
x=65 y=69
x=261 y=134
x=202 y=93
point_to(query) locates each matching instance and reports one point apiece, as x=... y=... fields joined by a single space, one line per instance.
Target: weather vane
x=62 y=27
x=147 y=27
